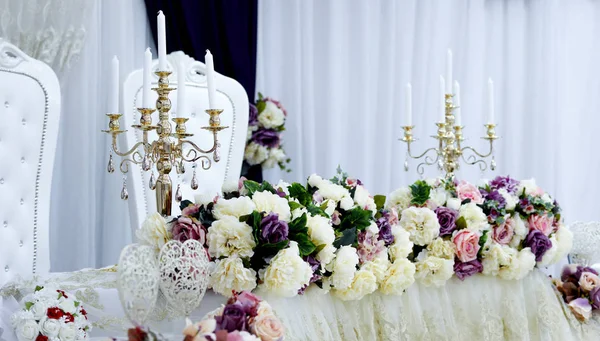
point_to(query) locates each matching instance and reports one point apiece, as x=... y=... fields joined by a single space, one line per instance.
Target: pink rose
x=466 y=190
x=503 y=234
x=241 y=183
x=393 y=216
x=185 y=228
x=467 y=245
x=268 y=328
x=588 y=281
x=250 y=302
x=190 y=210
x=541 y=223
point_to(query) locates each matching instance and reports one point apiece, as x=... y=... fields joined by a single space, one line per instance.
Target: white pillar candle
x=162 y=42
x=490 y=101
x=443 y=100
x=146 y=102
x=114 y=83
x=408 y=104
x=449 y=71
x=180 y=90
x=210 y=79
x=457 y=118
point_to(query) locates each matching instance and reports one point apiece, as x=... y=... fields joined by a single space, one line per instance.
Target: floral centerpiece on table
x=580 y=289
x=264 y=145
x=50 y=313
x=503 y=228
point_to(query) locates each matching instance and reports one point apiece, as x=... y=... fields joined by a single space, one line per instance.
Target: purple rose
x=510 y=185
x=253 y=116
x=447 y=219
x=266 y=137
x=185 y=228
x=385 y=231
x=314 y=265
x=539 y=244
x=595 y=297
x=581 y=269
x=249 y=302
x=466 y=269
x=273 y=230
x=233 y=318
x=495 y=196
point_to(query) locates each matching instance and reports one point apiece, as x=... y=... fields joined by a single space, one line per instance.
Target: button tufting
x=21 y=243
x=6 y=268
x=22 y=160
x=193 y=114
x=22 y=201
x=24 y=121
x=5 y=224
x=1 y=181
x=6 y=104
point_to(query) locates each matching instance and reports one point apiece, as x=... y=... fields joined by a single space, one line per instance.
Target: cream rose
x=378 y=267
x=343 y=267
x=326 y=255
x=320 y=230
x=287 y=273
x=434 y=271
x=235 y=207
x=154 y=231
x=51 y=328
x=399 y=199
x=230 y=274
x=441 y=248
x=255 y=154
x=400 y=276
x=268 y=328
x=453 y=203
x=421 y=223
x=363 y=199
x=271 y=116
x=269 y=202
x=229 y=236
x=363 y=283
x=474 y=216
x=588 y=281
x=402 y=245
x=27 y=330
x=437 y=197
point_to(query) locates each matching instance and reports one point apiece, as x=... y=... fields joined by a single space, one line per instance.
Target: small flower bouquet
x=580 y=288
x=263 y=143
x=245 y=317
x=51 y=314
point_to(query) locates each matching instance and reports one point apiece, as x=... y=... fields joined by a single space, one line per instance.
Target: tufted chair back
x=586 y=243
x=29 y=117
x=231 y=97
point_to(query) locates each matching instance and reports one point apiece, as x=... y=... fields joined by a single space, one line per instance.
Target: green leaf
x=251 y=187
x=76 y=303
x=274 y=248
x=261 y=105
x=266 y=186
x=298 y=225
x=300 y=193
x=466 y=201
x=461 y=223
x=305 y=246
x=28 y=305
x=184 y=204
x=420 y=192
x=315 y=210
x=260 y=96
x=294 y=205
x=38 y=288
x=320 y=247
x=324 y=205
x=254 y=220
x=348 y=237
x=482 y=240
x=356 y=218
x=379 y=201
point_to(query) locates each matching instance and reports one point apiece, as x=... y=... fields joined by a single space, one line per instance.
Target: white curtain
x=340 y=68
x=89 y=222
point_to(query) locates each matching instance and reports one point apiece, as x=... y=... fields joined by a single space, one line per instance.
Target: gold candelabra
x=450 y=149
x=167 y=151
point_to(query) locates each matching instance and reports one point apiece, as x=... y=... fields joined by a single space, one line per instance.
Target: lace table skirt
x=480 y=308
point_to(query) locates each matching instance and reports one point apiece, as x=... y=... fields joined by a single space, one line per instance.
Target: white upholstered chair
x=29 y=117
x=231 y=97
x=586 y=243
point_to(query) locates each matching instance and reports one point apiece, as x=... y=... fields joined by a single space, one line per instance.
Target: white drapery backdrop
x=89 y=222
x=340 y=68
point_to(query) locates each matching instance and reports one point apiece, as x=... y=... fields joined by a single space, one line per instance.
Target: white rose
x=421 y=223
x=154 y=231
x=510 y=264
x=363 y=283
x=438 y=197
x=547 y=199
x=326 y=255
x=511 y=201
x=271 y=116
x=228 y=236
x=39 y=309
x=27 y=330
x=287 y=273
x=230 y=274
x=235 y=207
x=343 y=267
x=520 y=231
x=400 y=276
x=230 y=185
x=346 y=203
x=68 y=306
x=249 y=337
x=363 y=199
x=564 y=241
x=331 y=205
x=434 y=271
x=205 y=198
x=297 y=213
x=453 y=203
x=249 y=133
x=320 y=230
x=399 y=199
x=51 y=328
x=272 y=203
x=432 y=182
x=329 y=190
x=276 y=155
x=315 y=180
x=68 y=332
x=442 y=248
x=378 y=266
x=474 y=216
x=506 y=262
x=255 y=154
x=526 y=263
x=529 y=185
x=283 y=186
x=402 y=245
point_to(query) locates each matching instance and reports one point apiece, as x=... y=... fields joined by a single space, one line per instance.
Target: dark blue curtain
x=226 y=27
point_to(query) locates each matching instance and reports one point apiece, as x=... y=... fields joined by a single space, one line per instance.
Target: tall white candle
x=457 y=118
x=146 y=102
x=449 y=71
x=408 y=104
x=490 y=101
x=162 y=42
x=210 y=79
x=180 y=90
x=114 y=82
x=442 y=100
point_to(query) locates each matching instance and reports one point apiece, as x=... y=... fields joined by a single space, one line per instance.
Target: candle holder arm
x=472 y=158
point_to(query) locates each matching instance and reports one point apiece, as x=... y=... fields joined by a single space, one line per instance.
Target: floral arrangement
x=503 y=228
x=266 y=122
x=50 y=314
x=580 y=289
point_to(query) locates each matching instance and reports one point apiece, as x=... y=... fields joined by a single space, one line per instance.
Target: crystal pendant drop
x=178 y=195
x=111 y=167
x=406 y=165
x=440 y=165
x=493 y=164
x=217 y=155
x=152 y=183
x=146 y=164
x=180 y=168
x=124 y=193
x=194 y=182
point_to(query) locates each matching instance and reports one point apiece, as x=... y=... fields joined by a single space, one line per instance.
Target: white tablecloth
x=480 y=308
